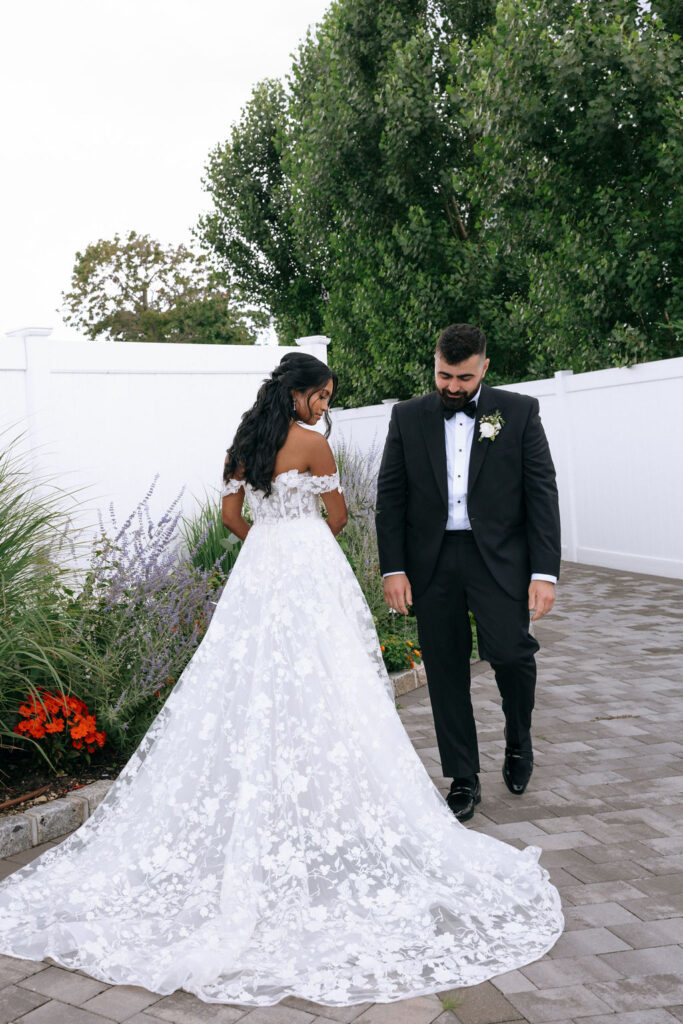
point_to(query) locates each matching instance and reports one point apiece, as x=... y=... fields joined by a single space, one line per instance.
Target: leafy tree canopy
x=511 y=164
x=135 y=289
x=251 y=226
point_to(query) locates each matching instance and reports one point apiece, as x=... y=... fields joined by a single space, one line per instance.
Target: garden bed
x=18 y=781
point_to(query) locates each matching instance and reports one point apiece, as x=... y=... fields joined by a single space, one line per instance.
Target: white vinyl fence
x=107 y=417
x=616 y=438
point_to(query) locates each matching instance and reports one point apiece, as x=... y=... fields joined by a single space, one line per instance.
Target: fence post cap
x=29 y=332
x=313 y=339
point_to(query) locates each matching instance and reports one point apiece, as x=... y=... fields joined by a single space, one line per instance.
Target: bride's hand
x=397 y=592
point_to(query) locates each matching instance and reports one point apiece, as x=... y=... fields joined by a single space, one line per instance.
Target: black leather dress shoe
x=463 y=797
x=517 y=769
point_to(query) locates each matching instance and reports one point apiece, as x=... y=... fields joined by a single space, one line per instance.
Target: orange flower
x=49 y=713
x=76 y=704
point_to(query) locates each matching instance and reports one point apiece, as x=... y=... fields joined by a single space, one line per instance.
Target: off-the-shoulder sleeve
x=323 y=484
x=231 y=487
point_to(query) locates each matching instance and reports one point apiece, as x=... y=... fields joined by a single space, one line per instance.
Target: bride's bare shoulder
x=318 y=453
x=304 y=450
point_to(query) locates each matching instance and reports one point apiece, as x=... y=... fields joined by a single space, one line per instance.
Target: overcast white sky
x=108 y=110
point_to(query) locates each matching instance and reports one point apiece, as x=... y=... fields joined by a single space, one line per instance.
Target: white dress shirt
x=459 y=436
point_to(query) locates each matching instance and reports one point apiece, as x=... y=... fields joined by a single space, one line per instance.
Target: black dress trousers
x=461 y=582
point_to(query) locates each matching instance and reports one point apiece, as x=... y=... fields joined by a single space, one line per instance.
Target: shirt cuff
x=394 y=572
x=543 y=576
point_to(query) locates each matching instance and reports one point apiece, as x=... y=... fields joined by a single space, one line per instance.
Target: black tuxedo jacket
x=511 y=492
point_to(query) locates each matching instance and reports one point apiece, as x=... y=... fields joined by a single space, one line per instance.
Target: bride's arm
x=321 y=463
x=231 y=511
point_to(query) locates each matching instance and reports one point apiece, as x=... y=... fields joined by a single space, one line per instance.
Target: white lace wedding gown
x=275 y=833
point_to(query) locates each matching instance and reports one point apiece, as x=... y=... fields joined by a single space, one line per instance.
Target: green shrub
x=40 y=643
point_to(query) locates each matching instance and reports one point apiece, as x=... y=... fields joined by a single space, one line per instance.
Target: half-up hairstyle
x=263 y=429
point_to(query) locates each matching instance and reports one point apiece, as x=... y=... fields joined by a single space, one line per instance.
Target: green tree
x=251 y=225
x=351 y=166
x=513 y=164
x=575 y=109
x=135 y=289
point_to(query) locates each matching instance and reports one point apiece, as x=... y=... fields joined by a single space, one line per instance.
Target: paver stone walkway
x=605 y=803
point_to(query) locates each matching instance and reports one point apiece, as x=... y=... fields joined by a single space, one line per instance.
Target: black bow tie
x=469 y=408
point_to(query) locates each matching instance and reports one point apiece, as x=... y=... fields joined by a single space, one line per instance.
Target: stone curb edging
x=37 y=825
x=409 y=679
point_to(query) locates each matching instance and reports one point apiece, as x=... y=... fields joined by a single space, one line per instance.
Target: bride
x=275 y=834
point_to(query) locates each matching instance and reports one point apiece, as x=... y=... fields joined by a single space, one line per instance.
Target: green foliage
x=143 y=631
x=209 y=544
x=451 y=1001
x=251 y=226
x=575 y=115
x=512 y=164
x=398 y=653
x=134 y=289
x=40 y=643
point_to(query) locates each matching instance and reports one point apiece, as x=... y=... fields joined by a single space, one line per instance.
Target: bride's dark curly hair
x=263 y=429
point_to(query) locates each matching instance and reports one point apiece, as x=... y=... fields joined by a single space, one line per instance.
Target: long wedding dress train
x=275 y=833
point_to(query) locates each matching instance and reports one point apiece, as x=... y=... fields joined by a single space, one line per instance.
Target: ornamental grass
x=107 y=642
x=40 y=644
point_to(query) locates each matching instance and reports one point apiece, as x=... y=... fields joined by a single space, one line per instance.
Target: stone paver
x=68 y=986
x=15 y=1002
x=54 y=1012
x=638 y=1017
x=120 y=1002
x=605 y=805
x=422 y=1010
x=183 y=1008
x=483 y=1004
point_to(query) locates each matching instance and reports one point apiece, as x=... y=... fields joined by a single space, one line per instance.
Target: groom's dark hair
x=460 y=341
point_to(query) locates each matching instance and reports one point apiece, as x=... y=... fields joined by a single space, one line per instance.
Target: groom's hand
x=397 y=592
x=541 y=598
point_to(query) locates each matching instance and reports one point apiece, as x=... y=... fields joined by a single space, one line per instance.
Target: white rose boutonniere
x=490 y=426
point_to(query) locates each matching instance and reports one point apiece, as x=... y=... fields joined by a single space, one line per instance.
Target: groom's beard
x=456 y=402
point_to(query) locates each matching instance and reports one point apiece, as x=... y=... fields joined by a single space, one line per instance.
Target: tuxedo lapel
x=432 y=423
x=479 y=449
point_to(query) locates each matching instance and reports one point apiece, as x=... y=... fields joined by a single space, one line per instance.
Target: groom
x=468 y=519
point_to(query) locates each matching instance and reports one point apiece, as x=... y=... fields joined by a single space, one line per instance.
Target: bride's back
x=297 y=451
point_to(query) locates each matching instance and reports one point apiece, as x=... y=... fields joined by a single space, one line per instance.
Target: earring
x=293 y=406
